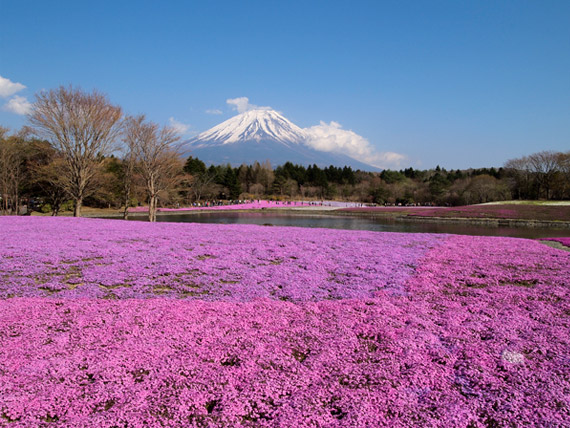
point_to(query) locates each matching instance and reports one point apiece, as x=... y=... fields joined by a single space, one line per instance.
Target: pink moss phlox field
x=563 y=241
x=368 y=329
x=255 y=205
x=115 y=259
x=505 y=211
x=503 y=306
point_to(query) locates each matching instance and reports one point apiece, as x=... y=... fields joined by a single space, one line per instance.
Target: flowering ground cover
x=125 y=324
x=506 y=211
x=66 y=257
x=563 y=241
x=389 y=209
x=255 y=205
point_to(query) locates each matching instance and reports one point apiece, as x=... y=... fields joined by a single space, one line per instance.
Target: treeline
x=262 y=181
x=528 y=180
x=81 y=150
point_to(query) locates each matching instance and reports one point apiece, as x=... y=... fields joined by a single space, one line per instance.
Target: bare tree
x=47 y=177
x=544 y=165
x=128 y=163
x=563 y=160
x=485 y=188
x=200 y=184
x=82 y=127
x=157 y=160
x=264 y=175
x=521 y=177
x=539 y=174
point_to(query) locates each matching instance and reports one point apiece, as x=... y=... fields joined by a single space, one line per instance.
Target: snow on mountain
x=253 y=125
x=260 y=135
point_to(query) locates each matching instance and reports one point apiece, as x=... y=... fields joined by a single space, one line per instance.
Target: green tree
x=380 y=195
x=194 y=166
x=438 y=185
x=392 y=177
x=231 y=182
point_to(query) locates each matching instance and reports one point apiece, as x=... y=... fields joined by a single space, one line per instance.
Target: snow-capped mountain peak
x=258 y=125
x=262 y=135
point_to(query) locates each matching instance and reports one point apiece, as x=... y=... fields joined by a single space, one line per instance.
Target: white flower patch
x=512 y=357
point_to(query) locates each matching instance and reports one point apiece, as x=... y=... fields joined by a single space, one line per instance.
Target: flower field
x=127 y=324
x=254 y=205
x=495 y=211
x=563 y=241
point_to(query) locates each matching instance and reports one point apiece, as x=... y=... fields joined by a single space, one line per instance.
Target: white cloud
x=18 y=105
x=179 y=127
x=242 y=105
x=330 y=137
x=8 y=88
x=214 y=111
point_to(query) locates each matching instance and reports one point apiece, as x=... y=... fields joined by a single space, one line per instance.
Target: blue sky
x=455 y=83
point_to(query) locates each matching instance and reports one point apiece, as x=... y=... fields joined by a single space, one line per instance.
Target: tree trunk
x=126 y=212
x=77 y=208
x=16 y=204
x=152 y=209
x=127 y=196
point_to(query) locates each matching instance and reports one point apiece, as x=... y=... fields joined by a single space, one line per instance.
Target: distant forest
x=31 y=175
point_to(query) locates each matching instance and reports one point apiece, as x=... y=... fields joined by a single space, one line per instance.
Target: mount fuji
x=260 y=135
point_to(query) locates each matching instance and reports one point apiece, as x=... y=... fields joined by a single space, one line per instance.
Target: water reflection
x=355 y=223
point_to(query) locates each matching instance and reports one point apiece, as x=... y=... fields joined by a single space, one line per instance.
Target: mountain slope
x=260 y=135
x=254 y=125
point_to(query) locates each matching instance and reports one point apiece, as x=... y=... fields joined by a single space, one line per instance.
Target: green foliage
x=391 y=177
x=313 y=175
x=194 y=166
x=279 y=185
x=438 y=184
x=46 y=208
x=231 y=182
x=410 y=173
x=317 y=176
x=380 y=195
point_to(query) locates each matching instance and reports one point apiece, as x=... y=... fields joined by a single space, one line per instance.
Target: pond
x=354 y=223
